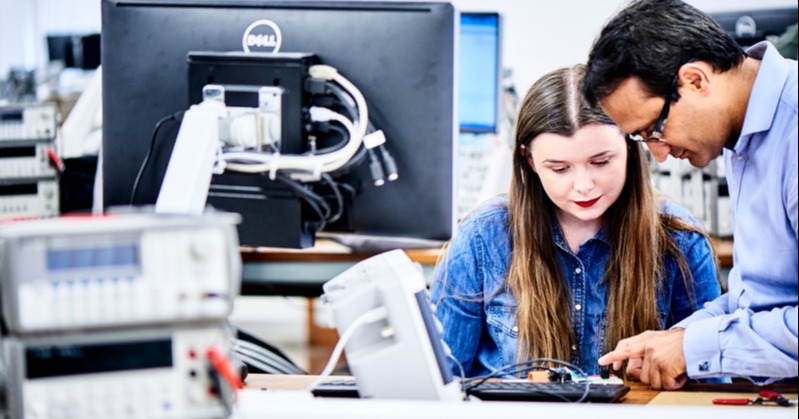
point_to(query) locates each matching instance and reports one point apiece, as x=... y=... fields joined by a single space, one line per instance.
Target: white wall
x=25 y=23
x=539 y=35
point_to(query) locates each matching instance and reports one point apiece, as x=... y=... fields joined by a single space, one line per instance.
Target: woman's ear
x=531 y=163
x=529 y=157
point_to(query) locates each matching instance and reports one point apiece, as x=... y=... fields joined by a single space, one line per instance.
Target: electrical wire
x=527 y=366
x=339 y=198
x=146 y=160
x=371 y=316
x=317 y=203
x=317 y=163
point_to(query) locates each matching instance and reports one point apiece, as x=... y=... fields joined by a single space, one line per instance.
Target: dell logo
x=262 y=36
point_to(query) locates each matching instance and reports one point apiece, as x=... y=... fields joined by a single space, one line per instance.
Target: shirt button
x=515 y=328
x=578 y=307
x=739 y=157
x=574 y=347
x=578 y=270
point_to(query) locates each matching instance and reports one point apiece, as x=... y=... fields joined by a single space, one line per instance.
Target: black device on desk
x=506 y=390
x=401 y=56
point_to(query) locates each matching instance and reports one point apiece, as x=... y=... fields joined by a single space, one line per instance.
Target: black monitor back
x=749 y=27
x=400 y=55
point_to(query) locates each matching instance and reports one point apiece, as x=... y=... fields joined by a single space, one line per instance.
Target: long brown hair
x=637 y=231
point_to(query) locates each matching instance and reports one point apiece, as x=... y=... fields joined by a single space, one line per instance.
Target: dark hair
x=651 y=39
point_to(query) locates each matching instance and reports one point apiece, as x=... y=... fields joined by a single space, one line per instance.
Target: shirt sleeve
x=717 y=307
x=743 y=343
x=457 y=294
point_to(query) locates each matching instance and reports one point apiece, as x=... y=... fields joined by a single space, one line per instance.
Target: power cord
x=371 y=316
x=146 y=160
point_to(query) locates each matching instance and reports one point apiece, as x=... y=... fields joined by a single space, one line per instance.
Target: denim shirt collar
x=560 y=241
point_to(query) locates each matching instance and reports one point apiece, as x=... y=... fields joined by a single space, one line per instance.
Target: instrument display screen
x=91 y=257
x=65 y=360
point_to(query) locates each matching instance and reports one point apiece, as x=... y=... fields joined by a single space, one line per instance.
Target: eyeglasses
x=656 y=134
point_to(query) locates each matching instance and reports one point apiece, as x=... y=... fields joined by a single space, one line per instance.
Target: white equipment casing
x=401 y=356
x=188 y=175
x=20 y=198
x=129 y=269
x=38 y=122
x=147 y=373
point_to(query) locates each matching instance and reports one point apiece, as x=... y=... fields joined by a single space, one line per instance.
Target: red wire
x=225 y=368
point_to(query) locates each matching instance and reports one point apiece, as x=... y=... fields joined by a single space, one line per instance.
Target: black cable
x=158 y=126
x=339 y=199
x=317 y=203
x=344 y=135
x=349 y=188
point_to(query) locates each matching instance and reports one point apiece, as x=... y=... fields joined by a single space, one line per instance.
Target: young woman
x=580 y=254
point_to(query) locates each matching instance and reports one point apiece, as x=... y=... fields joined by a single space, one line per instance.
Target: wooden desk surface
x=697 y=394
x=329 y=251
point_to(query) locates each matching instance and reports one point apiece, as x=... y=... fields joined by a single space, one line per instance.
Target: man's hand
x=656 y=358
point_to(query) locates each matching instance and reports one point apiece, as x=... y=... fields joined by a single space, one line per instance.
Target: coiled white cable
x=328 y=162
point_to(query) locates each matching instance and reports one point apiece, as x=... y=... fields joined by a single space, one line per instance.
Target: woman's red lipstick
x=586 y=204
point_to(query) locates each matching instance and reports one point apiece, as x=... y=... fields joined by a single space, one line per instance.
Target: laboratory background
x=536 y=37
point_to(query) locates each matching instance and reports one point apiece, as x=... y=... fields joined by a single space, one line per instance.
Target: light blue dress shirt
x=752 y=329
x=479 y=314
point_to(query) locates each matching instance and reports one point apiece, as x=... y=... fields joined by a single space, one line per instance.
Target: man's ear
x=696 y=76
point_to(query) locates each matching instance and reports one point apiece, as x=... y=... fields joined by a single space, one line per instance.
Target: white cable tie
x=273 y=165
x=317 y=169
x=322 y=71
x=374 y=139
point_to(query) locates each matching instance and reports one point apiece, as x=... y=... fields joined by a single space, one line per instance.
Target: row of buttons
x=26 y=168
x=60 y=303
x=121 y=395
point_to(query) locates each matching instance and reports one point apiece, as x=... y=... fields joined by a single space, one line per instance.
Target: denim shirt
x=479 y=314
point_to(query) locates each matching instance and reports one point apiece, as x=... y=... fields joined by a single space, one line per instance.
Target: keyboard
x=510 y=390
x=531 y=391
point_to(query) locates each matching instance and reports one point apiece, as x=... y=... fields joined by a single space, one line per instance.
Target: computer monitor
x=402 y=57
x=75 y=51
x=749 y=27
x=479 y=67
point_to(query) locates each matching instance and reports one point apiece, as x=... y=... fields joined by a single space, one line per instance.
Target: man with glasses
x=669 y=76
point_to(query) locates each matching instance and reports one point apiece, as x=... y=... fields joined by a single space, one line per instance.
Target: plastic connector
x=315 y=86
x=377 y=172
x=322 y=71
x=390 y=163
x=321 y=114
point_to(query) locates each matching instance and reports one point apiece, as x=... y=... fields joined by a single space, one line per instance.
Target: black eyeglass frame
x=657 y=133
